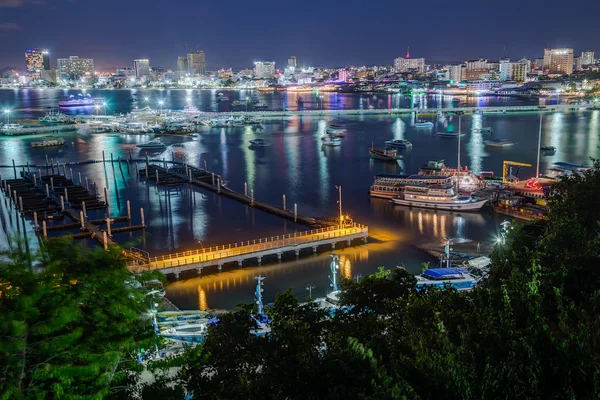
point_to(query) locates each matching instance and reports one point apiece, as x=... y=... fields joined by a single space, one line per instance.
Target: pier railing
x=252 y=246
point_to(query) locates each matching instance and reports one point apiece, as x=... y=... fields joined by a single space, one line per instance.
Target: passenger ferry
x=438 y=197
x=388 y=186
x=457 y=278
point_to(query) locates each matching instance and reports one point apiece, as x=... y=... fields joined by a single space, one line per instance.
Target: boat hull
x=471 y=206
x=377 y=155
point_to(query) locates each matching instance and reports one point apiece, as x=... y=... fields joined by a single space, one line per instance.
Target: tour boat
x=259 y=142
x=57 y=118
x=49 y=142
x=385 y=155
x=388 y=186
x=450 y=135
x=456 y=278
x=332 y=141
x=155 y=144
x=499 y=143
x=438 y=197
x=79 y=101
x=399 y=143
x=423 y=124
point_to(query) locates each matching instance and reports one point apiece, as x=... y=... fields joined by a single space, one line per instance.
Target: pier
x=253 y=249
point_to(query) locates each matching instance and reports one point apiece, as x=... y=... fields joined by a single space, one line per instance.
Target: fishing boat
x=456 y=278
x=450 y=135
x=438 y=197
x=49 y=142
x=259 y=142
x=385 y=155
x=154 y=144
x=332 y=141
x=399 y=143
x=499 y=143
x=423 y=124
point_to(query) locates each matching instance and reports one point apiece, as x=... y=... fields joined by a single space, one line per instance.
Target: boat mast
x=537 y=166
x=458 y=167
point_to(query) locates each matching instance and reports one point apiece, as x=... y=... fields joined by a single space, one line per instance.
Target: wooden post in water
x=71 y=173
x=44 y=230
x=52 y=183
x=40 y=173
x=14 y=168
x=103 y=160
x=95 y=190
x=111 y=158
x=87 y=184
x=79 y=174
x=246 y=189
x=252 y=197
x=156 y=177
x=284 y=201
x=66 y=195
x=106 y=196
x=128 y=210
x=21 y=204
x=205 y=169
x=142 y=216
x=82 y=220
x=62 y=203
x=15 y=201
x=28 y=167
x=34 y=180
x=35 y=220
x=105 y=240
x=83 y=208
x=213 y=178
x=47 y=191
x=108 y=226
x=295 y=212
x=219 y=185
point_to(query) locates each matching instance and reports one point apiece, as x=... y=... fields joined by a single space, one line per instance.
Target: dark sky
x=233 y=33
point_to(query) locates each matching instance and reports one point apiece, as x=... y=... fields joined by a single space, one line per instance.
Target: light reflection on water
x=297 y=165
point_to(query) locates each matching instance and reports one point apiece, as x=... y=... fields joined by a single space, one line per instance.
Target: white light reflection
x=323 y=162
x=476 y=147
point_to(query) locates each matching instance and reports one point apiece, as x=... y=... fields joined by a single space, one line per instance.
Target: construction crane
x=506 y=165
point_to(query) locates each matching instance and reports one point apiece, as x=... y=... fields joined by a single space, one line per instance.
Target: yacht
x=499 y=143
x=548 y=149
x=239 y=103
x=399 y=143
x=156 y=144
x=423 y=124
x=53 y=117
x=48 y=142
x=12 y=129
x=80 y=101
x=438 y=197
x=456 y=278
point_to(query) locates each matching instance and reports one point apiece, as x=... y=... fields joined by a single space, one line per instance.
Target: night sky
x=319 y=32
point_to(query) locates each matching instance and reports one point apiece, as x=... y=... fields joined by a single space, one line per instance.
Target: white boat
x=222 y=97
x=49 y=142
x=12 y=128
x=388 y=186
x=332 y=141
x=335 y=130
x=483 y=130
x=259 y=142
x=423 y=124
x=499 y=143
x=450 y=135
x=457 y=278
x=153 y=144
x=53 y=117
x=438 y=197
x=399 y=143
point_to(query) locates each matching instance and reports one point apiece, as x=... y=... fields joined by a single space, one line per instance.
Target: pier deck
x=254 y=249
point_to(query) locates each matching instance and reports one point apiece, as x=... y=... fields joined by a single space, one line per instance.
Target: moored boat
x=259 y=142
x=438 y=197
x=450 y=135
x=456 y=278
x=155 y=144
x=423 y=124
x=399 y=143
x=332 y=141
x=548 y=148
x=79 y=101
x=499 y=143
x=49 y=142
x=385 y=154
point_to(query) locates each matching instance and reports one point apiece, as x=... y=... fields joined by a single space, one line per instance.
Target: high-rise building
x=46 y=57
x=34 y=62
x=558 y=61
x=293 y=62
x=587 y=57
x=126 y=72
x=455 y=72
x=264 y=69
x=514 y=71
x=407 y=64
x=479 y=64
x=343 y=75
x=577 y=65
x=196 y=62
x=75 y=68
x=142 y=68
x=182 y=64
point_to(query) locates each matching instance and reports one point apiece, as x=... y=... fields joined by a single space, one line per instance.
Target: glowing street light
x=7 y=115
x=161 y=103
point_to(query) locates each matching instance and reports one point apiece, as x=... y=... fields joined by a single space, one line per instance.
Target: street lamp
x=7 y=115
x=97 y=107
x=310 y=287
x=160 y=103
x=339 y=188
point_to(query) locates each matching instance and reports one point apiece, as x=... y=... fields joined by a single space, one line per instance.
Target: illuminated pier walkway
x=253 y=249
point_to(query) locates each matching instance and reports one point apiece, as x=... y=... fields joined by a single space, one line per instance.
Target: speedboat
x=450 y=135
x=156 y=144
x=399 y=143
x=332 y=141
x=423 y=124
x=499 y=143
x=259 y=142
x=456 y=278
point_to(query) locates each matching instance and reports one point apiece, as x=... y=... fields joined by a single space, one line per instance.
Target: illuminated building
x=75 y=68
x=577 y=64
x=34 y=62
x=49 y=75
x=128 y=73
x=182 y=64
x=455 y=72
x=264 y=69
x=474 y=74
x=46 y=57
x=480 y=64
x=343 y=75
x=558 y=61
x=196 y=62
x=587 y=57
x=514 y=71
x=142 y=68
x=407 y=64
x=292 y=62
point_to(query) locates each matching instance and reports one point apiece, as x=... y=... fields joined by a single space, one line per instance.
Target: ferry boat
x=499 y=143
x=399 y=143
x=388 y=186
x=332 y=141
x=259 y=142
x=154 y=144
x=79 y=101
x=385 y=155
x=12 y=129
x=450 y=135
x=423 y=124
x=49 y=142
x=438 y=197
x=457 y=278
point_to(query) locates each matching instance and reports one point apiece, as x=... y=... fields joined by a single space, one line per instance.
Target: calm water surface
x=182 y=218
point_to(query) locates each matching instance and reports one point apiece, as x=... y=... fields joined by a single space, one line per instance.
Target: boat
x=399 y=143
x=499 y=143
x=79 y=101
x=388 y=186
x=450 y=135
x=260 y=106
x=12 y=129
x=487 y=129
x=456 y=278
x=331 y=141
x=222 y=97
x=239 y=103
x=259 y=142
x=49 y=142
x=156 y=144
x=385 y=155
x=55 y=117
x=548 y=148
x=438 y=197
x=190 y=108
x=335 y=129
x=423 y=124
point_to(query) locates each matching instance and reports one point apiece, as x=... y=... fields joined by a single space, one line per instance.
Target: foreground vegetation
x=530 y=331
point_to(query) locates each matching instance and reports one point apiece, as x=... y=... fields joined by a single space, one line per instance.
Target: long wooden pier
x=253 y=249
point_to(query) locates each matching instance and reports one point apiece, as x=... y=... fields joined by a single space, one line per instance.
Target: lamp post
x=339 y=188
x=310 y=288
x=97 y=107
x=7 y=115
x=161 y=103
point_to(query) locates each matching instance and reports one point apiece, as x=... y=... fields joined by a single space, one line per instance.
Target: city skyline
x=268 y=33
